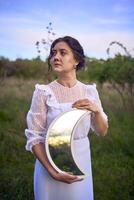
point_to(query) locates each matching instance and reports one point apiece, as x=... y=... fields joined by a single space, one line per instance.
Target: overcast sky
x=95 y=23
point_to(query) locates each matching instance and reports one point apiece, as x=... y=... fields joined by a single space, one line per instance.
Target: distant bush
x=23 y=68
x=118 y=71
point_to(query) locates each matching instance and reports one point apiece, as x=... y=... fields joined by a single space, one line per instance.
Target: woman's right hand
x=40 y=153
x=67 y=178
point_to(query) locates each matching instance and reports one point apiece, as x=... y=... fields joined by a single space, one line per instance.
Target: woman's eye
x=63 y=53
x=53 y=53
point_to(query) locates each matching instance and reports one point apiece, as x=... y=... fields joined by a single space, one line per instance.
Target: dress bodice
x=49 y=101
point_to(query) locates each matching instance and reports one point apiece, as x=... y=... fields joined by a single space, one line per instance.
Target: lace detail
x=33 y=138
x=65 y=94
x=36 y=119
x=49 y=101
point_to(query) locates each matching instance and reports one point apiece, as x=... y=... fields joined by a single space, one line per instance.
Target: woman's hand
x=40 y=153
x=67 y=178
x=86 y=104
x=100 y=123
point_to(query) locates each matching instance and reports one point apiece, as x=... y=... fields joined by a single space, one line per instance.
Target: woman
x=66 y=57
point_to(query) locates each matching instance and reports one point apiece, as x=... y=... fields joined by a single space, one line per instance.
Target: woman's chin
x=56 y=69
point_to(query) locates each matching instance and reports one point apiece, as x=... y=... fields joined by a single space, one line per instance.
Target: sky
x=95 y=23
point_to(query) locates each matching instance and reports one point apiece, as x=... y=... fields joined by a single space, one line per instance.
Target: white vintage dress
x=47 y=103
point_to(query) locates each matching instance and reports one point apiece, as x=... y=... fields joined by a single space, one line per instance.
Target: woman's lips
x=57 y=64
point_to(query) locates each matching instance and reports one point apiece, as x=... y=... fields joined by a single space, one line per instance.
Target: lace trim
x=32 y=143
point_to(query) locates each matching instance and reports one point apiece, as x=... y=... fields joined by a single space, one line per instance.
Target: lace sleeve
x=36 y=120
x=98 y=102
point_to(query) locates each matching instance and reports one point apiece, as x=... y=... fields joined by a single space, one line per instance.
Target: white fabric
x=47 y=103
x=46 y=188
x=52 y=96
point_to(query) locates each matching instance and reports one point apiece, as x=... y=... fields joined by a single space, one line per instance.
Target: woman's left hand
x=86 y=104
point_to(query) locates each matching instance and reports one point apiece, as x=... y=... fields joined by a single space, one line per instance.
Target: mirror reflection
x=60 y=138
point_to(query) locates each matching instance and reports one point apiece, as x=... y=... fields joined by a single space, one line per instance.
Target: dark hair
x=76 y=49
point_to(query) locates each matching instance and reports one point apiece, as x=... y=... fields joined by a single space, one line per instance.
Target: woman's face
x=62 y=59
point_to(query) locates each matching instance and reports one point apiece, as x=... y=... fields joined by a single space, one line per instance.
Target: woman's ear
x=76 y=63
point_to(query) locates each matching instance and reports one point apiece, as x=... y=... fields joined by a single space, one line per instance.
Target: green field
x=112 y=155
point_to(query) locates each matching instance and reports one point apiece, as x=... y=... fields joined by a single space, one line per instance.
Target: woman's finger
x=90 y=108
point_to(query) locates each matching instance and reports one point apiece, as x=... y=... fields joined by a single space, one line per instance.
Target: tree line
x=117 y=71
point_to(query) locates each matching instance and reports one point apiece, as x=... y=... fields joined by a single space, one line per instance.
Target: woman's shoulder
x=91 y=89
x=42 y=87
x=90 y=86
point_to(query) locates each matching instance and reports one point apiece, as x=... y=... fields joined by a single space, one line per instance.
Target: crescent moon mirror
x=60 y=141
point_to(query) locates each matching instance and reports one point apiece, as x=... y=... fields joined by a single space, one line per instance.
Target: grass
x=113 y=161
x=112 y=156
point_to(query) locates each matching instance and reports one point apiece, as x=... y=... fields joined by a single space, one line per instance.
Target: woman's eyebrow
x=59 y=49
x=63 y=49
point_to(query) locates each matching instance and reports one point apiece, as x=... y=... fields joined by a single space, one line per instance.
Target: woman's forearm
x=40 y=154
x=100 y=123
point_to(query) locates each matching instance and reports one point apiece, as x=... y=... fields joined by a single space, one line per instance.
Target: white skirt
x=47 y=188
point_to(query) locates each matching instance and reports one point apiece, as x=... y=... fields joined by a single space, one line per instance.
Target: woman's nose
x=56 y=56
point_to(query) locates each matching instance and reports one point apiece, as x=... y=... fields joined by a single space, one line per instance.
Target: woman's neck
x=67 y=81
